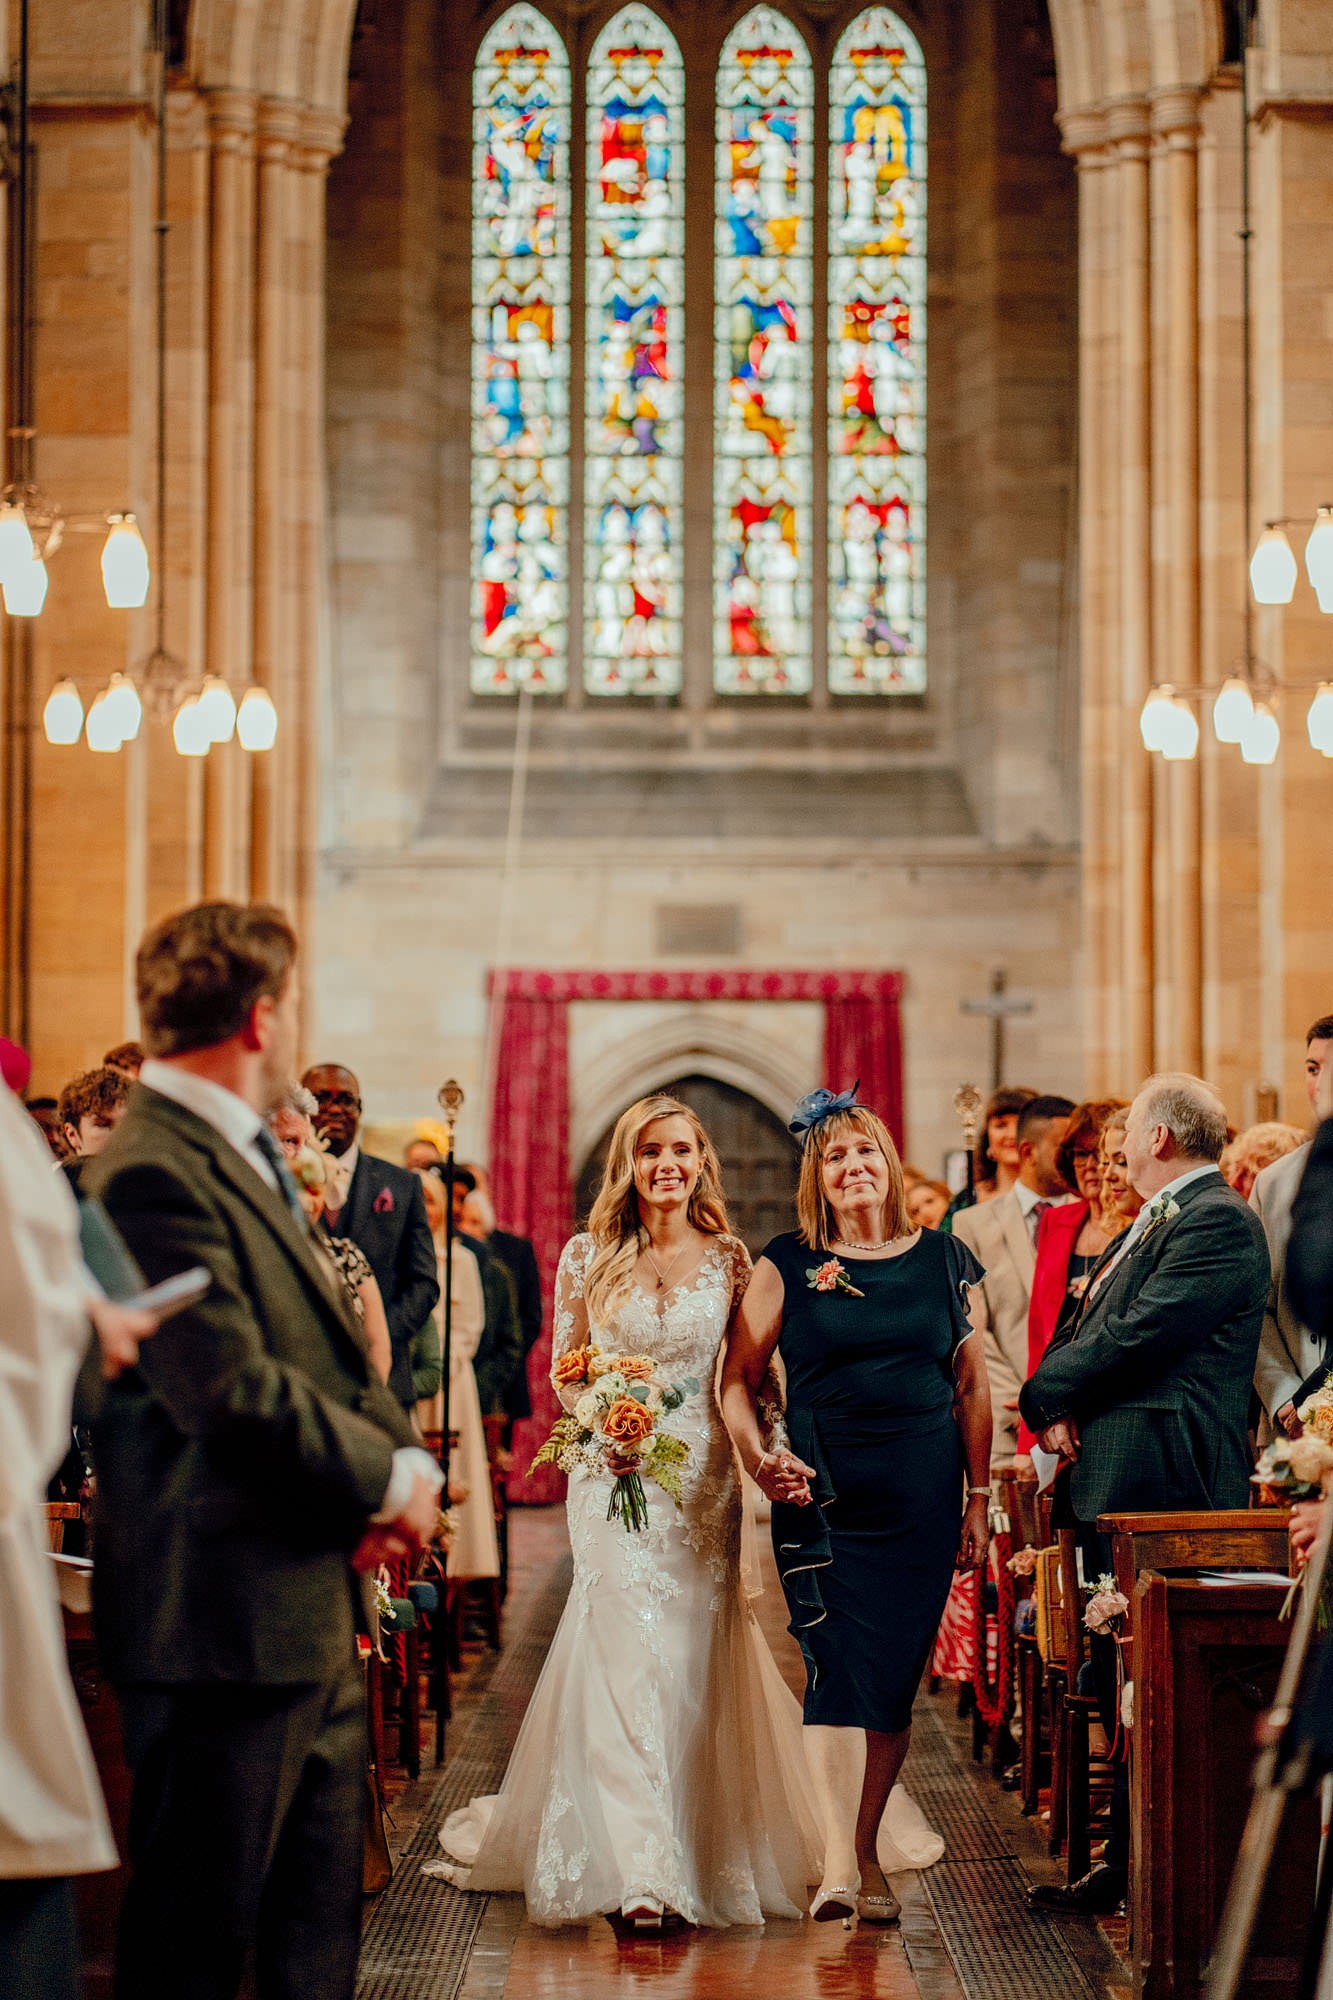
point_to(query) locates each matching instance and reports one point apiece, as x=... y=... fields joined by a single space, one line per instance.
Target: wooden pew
x=1226 y=1538
x=1205 y=1663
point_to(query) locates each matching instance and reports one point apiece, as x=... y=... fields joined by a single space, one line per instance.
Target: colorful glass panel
x=635 y=313
x=877 y=359
x=520 y=357
x=762 y=333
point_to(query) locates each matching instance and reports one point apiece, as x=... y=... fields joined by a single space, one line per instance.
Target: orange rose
x=571 y=1367
x=627 y=1422
x=636 y=1367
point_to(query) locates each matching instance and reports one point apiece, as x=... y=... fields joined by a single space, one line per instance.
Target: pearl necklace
x=840 y=1243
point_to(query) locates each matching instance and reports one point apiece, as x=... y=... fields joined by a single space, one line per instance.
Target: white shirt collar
x=219 y=1107
x=1158 y=1201
x=1028 y=1198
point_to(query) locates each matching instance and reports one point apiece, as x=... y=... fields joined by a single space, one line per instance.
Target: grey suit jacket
x=998 y=1234
x=239 y=1463
x=1288 y=1351
x=1158 y=1371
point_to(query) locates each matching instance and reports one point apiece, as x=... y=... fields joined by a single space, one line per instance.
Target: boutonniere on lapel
x=383 y=1202
x=1159 y=1211
x=831 y=1277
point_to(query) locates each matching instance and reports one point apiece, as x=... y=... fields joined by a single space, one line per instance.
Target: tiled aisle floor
x=964 y=1935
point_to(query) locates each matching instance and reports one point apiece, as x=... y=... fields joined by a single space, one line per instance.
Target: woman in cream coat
x=52 y=1820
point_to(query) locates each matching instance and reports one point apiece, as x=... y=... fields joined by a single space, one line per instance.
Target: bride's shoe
x=643 y=1913
x=884 y=1909
x=836 y=1901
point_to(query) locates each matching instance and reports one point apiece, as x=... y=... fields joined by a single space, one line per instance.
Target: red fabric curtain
x=530 y=1186
x=863 y=1038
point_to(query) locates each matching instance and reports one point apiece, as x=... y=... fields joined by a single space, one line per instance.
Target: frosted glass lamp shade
x=1262 y=736
x=124 y=564
x=62 y=718
x=1319 y=721
x=25 y=590
x=1232 y=711
x=16 y=547
x=190 y=730
x=1180 y=732
x=1155 y=718
x=123 y=701
x=257 y=720
x=217 y=709
x=1272 y=568
x=1319 y=558
x=102 y=727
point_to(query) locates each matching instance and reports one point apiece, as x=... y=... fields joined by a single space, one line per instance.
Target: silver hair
x=297 y=1098
x=1191 y=1110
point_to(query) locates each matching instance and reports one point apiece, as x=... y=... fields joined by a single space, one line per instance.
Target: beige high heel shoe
x=839 y=1900
x=879 y=1909
x=644 y=1913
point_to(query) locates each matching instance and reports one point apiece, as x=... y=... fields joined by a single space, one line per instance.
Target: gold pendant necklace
x=661 y=1274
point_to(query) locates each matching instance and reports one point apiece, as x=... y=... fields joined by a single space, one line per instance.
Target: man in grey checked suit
x=1148 y=1399
x=1288 y=1351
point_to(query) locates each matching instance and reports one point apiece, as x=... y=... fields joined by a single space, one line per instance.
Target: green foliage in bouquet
x=664 y=1462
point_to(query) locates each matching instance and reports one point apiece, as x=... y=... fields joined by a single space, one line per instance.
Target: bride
x=659 y=1767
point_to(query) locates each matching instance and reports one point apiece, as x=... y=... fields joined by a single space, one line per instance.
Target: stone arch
x=1107 y=49
x=688 y=1039
x=290 y=49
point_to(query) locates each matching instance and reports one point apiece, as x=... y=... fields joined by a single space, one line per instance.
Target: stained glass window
x=520 y=357
x=762 y=331
x=877 y=346
x=635 y=312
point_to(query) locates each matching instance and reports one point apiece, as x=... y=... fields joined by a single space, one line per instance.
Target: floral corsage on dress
x=831 y=1276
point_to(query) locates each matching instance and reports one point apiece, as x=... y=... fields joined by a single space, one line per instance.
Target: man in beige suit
x=1288 y=1351
x=1003 y=1234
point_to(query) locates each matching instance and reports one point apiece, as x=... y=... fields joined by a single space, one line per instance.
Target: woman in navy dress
x=887 y=1408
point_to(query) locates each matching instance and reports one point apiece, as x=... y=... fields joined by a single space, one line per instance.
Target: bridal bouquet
x=615 y=1423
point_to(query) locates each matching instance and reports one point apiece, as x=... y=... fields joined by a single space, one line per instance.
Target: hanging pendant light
x=1272 y=568
x=123 y=701
x=1155 y=718
x=1232 y=710
x=217 y=709
x=190 y=730
x=1319 y=721
x=102 y=727
x=1260 y=742
x=1319 y=558
x=62 y=718
x=257 y=720
x=25 y=591
x=125 y=573
x=16 y=549
x=1179 y=730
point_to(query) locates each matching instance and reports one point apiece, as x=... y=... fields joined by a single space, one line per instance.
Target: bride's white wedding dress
x=661 y=1751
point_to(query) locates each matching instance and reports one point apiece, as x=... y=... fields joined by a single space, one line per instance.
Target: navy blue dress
x=870 y=1389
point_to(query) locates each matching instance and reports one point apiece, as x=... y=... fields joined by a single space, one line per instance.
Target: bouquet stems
x=628 y=1502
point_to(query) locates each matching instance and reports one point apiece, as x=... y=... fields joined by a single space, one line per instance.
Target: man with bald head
x=381 y=1207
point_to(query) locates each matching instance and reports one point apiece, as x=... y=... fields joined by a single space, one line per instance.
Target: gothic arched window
x=761 y=436
x=877 y=346
x=520 y=357
x=641 y=558
x=635 y=358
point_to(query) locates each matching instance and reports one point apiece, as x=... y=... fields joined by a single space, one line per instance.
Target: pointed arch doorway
x=759 y=1158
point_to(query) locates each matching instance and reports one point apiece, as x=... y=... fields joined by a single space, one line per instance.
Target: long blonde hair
x=814 y=1213
x=615 y=1223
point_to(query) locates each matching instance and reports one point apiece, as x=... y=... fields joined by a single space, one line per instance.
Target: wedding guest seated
x=996 y=1159
x=91 y=1106
x=927 y=1203
x=1256 y=1148
x=1071 y=1237
x=381 y=1208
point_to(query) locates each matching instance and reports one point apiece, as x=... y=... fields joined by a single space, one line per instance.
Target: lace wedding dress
x=661 y=1751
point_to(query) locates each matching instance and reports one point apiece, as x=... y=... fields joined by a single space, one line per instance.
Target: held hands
x=1287 y=1420
x=783 y=1477
x=975 y=1538
x=1304 y=1529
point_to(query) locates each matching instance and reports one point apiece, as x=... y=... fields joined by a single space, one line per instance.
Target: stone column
x=1175 y=558
x=1085 y=138
x=226 y=561
x=278 y=126
x=1127 y=129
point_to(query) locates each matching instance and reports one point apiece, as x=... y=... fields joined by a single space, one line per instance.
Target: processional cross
x=998 y=1006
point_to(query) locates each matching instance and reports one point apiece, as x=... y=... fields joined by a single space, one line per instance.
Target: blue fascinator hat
x=818 y=1105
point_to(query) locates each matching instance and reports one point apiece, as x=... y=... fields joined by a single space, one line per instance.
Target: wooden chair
x=58 y=1514
x=1080 y=1783
x=1018 y=1497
